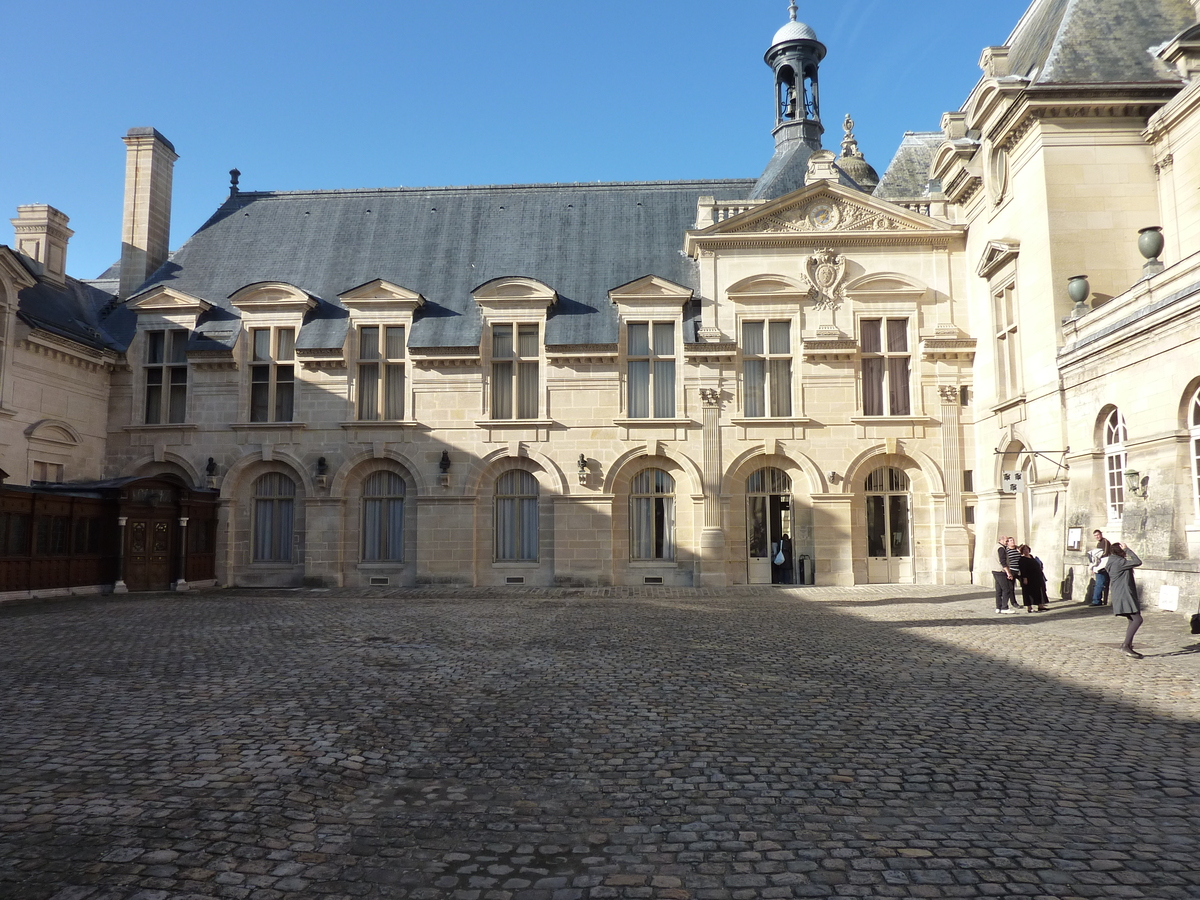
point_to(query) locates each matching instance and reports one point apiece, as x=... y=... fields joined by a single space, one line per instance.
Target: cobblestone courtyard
x=580 y=744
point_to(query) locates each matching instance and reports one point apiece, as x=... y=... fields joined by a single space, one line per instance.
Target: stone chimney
x=42 y=234
x=146 y=228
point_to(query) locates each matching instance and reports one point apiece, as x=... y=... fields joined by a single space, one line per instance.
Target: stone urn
x=1151 y=242
x=1078 y=289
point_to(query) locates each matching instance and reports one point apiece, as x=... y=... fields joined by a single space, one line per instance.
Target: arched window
x=274 y=498
x=516 y=517
x=1115 y=460
x=383 y=518
x=1194 y=422
x=652 y=515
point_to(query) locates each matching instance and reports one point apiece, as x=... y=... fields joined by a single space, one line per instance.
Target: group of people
x=1112 y=563
x=1018 y=564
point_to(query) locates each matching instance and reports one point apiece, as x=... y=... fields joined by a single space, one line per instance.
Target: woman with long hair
x=1122 y=592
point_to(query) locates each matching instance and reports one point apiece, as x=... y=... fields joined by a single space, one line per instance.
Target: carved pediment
x=54 y=431
x=380 y=294
x=272 y=296
x=825 y=208
x=651 y=288
x=13 y=269
x=162 y=299
x=996 y=256
x=515 y=291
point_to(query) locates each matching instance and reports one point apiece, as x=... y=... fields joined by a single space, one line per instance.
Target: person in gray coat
x=1122 y=593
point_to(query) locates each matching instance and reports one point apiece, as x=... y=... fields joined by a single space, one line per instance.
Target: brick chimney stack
x=42 y=234
x=146 y=228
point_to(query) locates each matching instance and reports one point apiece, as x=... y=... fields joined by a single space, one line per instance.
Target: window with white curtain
x=515 y=371
x=272 y=374
x=274 y=499
x=516 y=517
x=1194 y=422
x=383 y=518
x=166 y=375
x=380 y=372
x=886 y=367
x=1115 y=460
x=767 y=368
x=650 y=353
x=652 y=515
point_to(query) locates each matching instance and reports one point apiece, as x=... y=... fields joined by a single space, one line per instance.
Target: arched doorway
x=889 y=527
x=770 y=527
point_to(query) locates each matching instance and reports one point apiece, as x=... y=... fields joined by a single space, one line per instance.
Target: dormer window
x=166 y=376
x=514 y=371
x=380 y=373
x=272 y=374
x=651 y=367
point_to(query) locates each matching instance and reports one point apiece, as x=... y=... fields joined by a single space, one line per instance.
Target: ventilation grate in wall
x=380 y=581
x=652 y=579
x=515 y=579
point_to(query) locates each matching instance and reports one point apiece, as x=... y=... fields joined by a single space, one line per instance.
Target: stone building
x=819 y=374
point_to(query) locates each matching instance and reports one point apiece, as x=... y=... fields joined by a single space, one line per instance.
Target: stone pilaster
x=712 y=538
x=956 y=540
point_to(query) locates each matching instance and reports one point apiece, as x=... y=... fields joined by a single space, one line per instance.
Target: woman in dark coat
x=1033 y=580
x=1122 y=593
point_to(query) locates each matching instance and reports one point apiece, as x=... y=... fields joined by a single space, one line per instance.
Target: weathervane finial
x=793 y=9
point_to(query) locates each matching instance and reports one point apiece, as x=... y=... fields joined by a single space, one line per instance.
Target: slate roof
x=580 y=239
x=907 y=176
x=1097 y=41
x=77 y=311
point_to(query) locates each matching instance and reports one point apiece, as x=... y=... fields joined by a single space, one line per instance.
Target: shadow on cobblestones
x=572 y=745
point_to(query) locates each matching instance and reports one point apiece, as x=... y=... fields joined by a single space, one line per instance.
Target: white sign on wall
x=1013 y=483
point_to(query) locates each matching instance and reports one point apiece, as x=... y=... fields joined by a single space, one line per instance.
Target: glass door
x=770 y=528
x=889 y=527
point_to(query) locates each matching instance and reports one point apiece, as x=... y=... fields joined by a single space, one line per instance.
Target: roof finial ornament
x=234 y=175
x=849 y=143
x=793 y=9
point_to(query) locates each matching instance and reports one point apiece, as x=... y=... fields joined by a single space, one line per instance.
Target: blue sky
x=365 y=93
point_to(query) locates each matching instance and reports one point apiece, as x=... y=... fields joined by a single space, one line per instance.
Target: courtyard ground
x=581 y=744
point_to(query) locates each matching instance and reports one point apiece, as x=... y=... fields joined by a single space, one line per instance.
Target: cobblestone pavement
x=584 y=744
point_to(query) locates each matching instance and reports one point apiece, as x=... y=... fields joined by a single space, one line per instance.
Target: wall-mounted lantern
x=444 y=466
x=1135 y=484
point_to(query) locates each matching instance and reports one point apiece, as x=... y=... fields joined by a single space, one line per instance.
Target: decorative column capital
x=949 y=394
x=710 y=397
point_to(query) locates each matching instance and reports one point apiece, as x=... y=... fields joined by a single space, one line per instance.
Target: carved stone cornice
x=582 y=355
x=725 y=351
x=52 y=346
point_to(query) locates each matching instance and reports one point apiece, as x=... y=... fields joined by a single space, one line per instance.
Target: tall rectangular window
x=272 y=374
x=166 y=376
x=886 y=370
x=651 y=368
x=1008 y=351
x=380 y=372
x=515 y=352
x=767 y=368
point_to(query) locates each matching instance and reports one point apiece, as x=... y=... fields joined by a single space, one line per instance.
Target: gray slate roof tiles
x=907 y=176
x=1097 y=41
x=580 y=239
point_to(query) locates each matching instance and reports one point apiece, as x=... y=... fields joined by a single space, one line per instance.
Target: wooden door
x=150 y=551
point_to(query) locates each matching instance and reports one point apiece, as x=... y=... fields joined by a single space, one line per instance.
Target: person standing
x=1099 y=557
x=1123 y=592
x=1005 y=575
x=1033 y=580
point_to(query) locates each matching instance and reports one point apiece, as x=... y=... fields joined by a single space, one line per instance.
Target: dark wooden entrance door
x=151 y=550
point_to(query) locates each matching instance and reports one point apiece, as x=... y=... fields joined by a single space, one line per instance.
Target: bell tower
x=795 y=56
